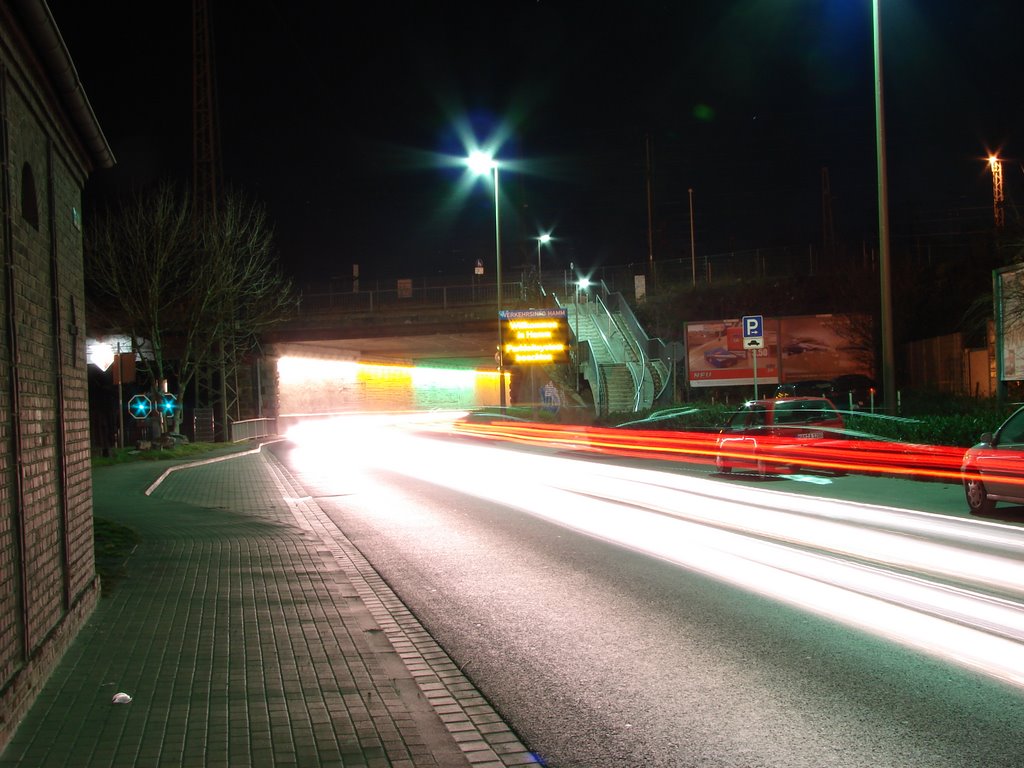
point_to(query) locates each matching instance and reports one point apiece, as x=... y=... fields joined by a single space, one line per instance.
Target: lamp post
x=541 y=240
x=481 y=163
x=888 y=353
x=576 y=318
x=693 y=249
x=581 y=283
x=998 y=214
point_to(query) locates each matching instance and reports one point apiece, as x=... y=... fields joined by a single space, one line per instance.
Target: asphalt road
x=600 y=655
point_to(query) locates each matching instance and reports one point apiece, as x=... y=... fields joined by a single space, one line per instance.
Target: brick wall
x=48 y=585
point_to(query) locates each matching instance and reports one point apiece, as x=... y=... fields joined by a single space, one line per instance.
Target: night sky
x=340 y=117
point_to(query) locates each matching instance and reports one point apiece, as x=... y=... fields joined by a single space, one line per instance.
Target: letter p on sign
x=753 y=326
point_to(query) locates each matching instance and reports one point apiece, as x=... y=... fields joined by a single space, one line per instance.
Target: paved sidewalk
x=249 y=632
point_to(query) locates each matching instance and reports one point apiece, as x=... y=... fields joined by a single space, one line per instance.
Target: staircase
x=612 y=355
x=618 y=387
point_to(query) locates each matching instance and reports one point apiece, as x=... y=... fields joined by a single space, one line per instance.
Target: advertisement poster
x=825 y=346
x=1010 y=316
x=797 y=348
x=716 y=357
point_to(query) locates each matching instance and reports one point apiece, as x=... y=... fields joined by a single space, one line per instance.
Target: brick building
x=49 y=143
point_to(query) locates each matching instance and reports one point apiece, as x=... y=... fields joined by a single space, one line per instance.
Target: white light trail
x=951 y=587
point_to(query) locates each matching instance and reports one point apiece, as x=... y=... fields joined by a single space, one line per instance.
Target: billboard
x=535 y=336
x=1009 y=312
x=796 y=348
x=716 y=357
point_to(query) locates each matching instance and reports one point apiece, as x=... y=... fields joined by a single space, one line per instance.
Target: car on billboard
x=769 y=436
x=720 y=357
x=804 y=344
x=993 y=470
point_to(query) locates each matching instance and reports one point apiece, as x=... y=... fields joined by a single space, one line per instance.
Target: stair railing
x=629 y=342
x=585 y=360
x=657 y=349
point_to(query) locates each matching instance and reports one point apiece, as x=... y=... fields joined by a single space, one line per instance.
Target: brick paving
x=250 y=632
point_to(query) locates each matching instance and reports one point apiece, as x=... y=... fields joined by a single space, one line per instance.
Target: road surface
x=601 y=649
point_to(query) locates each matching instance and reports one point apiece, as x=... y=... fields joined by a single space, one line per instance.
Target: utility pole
x=211 y=394
x=647 y=176
x=205 y=136
x=888 y=350
x=828 y=230
x=693 y=249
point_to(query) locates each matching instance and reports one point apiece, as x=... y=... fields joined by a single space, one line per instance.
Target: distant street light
x=541 y=240
x=888 y=352
x=482 y=163
x=998 y=214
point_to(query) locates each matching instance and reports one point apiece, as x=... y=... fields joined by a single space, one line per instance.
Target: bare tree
x=188 y=292
x=248 y=294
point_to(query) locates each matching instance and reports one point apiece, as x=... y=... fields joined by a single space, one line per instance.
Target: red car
x=769 y=436
x=993 y=470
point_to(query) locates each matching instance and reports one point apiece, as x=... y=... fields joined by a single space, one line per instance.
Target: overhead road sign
x=535 y=336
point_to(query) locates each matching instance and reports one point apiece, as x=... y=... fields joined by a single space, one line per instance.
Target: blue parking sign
x=753 y=326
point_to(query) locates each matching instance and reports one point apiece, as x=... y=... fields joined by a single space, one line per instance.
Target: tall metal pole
x=888 y=353
x=647 y=174
x=497 y=251
x=997 y=293
x=120 y=399
x=693 y=250
x=576 y=318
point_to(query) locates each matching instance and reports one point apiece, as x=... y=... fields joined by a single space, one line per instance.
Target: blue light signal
x=168 y=404
x=140 y=407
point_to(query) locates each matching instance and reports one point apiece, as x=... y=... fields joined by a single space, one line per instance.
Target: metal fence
x=442 y=293
x=251 y=429
x=412 y=297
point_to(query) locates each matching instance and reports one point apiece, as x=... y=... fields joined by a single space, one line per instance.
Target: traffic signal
x=168 y=404
x=140 y=407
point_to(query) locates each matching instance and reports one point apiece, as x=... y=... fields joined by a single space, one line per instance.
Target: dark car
x=855 y=391
x=762 y=434
x=805 y=388
x=993 y=470
x=720 y=357
x=801 y=345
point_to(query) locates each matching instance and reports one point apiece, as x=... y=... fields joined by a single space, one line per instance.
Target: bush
x=929 y=418
x=936 y=419
x=181 y=451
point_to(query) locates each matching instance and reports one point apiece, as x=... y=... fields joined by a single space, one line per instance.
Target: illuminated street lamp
x=482 y=163
x=541 y=240
x=998 y=214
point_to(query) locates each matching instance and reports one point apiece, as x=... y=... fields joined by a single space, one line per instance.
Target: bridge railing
x=252 y=428
x=439 y=292
x=412 y=297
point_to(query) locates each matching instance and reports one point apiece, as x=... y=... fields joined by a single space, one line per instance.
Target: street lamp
x=541 y=240
x=482 y=163
x=888 y=353
x=998 y=214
